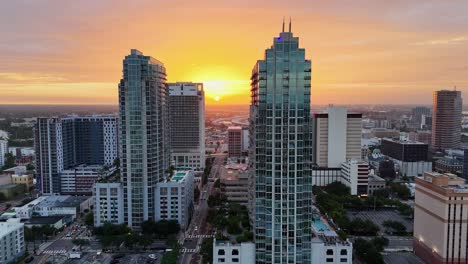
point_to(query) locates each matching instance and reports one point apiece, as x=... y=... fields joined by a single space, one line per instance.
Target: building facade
x=337 y=137
x=235 y=141
x=11 y=240
x=109 y=205
x=79 y=180
x=3 y=151
x=144 y=134
x=187 y=122
x=174 y=198
x=355 y=175
x=62 y=143
x=446 y=120
x=409 y=151
x=281 y=152
x=231 y=253
x=440 y=216
x=418 y=113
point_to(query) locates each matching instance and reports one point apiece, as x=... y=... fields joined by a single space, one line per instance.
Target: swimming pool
x=319 y=226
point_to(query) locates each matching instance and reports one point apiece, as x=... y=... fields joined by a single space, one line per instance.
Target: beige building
x=440 y=218
x=235 y=182
x=337 y=137
x=26 y=179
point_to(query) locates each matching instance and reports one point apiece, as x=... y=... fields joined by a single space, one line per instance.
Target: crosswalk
x=190 y=250
x=199 y=236
x=54 y=251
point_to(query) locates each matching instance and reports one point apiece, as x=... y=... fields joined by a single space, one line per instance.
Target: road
x=197 y=230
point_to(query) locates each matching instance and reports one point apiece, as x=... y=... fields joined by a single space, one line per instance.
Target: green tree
x=80 y=242
x=9 y=161
x=380 y=242
x=337 y=188
x=367 y=252
x=89 y=219
x=394 y=227
x=30 y=167
x=206 y=250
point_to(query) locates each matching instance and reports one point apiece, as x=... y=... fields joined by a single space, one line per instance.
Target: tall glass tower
x=144 y=134
x=281 y=150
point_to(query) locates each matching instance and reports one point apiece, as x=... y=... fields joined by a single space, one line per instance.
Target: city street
x=197 y=230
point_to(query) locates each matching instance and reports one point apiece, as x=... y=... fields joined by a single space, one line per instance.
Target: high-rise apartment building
x=440 y=216
x=108 y=203
x=144 y=134
x=281 y=152
x=418 y=113
x=187 y=122
x=12 y=240
x=446 y=120
x=3 y=151
x=235 y=141
x=62 y=143
x=337 y=137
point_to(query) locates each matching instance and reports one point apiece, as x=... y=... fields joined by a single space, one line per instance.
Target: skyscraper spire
x=283 y=25
x=289 y=24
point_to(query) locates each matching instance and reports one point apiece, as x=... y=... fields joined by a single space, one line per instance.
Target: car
x=29 y=259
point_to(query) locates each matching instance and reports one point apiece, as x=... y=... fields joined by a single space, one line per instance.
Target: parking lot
x=378 y=217
x=402 y=258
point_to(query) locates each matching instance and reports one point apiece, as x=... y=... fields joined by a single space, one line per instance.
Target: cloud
x=450 y=41
x=29 y=77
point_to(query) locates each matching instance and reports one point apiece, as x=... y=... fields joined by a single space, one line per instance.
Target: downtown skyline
x=359 y=54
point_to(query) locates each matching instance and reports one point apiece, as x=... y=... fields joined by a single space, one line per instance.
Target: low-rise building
x=80 y=179
x=11 y=240
x=448 y=164
x=26 y=179
x=355 y=175
x=440 y=217
x=375 y=183
x=55 y=205
x=57 y=221
x=326 y=246
x=322 y=176
x=226 y=252
x=235 y=183
x=109 y=207
x=174 y=198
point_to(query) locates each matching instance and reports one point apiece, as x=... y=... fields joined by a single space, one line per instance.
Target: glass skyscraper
x=281 y=150
x=144 y=134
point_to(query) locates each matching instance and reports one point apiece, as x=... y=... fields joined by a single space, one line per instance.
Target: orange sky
x=362 y=51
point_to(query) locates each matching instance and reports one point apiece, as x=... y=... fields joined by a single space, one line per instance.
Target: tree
x=116 y=163
x=30 y=167
x=80 y=242
x=380 y=242
x=337 y=188
x=206 y=250
x=401 y=190
x=145 y=240
x=9 y=161
x=367 y=252
x=196 y=194
x=172 y=257
x=89 y=219
x=394 y=227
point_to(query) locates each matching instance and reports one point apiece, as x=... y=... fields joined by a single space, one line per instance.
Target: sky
x=362 y=51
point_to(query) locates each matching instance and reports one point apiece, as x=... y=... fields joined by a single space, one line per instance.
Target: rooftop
x=179 y=176
x=447 y=181
x=404 y=142
x=44 y=220
x=62 y=201
x=450 y=161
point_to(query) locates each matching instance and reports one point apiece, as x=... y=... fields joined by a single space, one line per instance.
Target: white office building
x=174 y=198
x=54 y=205
x=355 y=175
x=226 y=252
x=109 y=206
x=3 y=151
x=12 y=243
x=337 y=137
x=80 y=179
x=187 y=121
